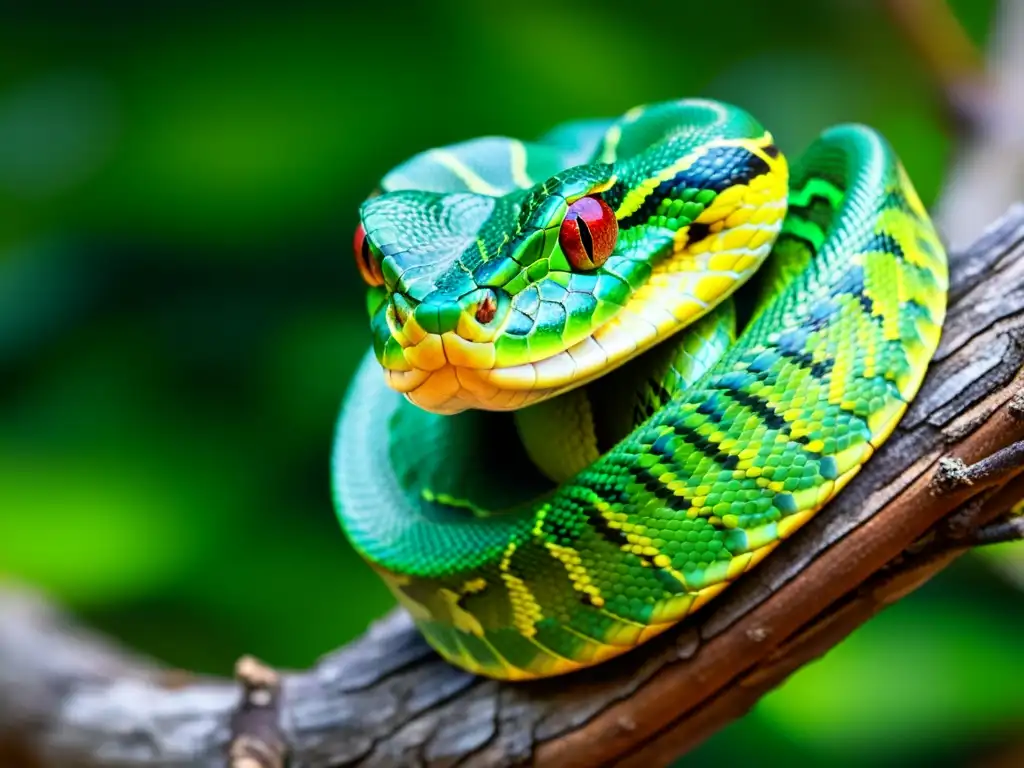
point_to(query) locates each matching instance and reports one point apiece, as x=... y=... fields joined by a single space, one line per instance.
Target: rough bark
x=69 y=698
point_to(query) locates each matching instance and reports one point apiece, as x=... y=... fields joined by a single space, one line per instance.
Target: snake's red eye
x=369 y=268
x=588 y=233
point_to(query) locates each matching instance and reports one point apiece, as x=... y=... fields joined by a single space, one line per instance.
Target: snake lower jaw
x=448 y=381
x=453 y=389
x=447 y=373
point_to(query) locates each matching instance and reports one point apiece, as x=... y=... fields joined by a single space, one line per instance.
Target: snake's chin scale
x=451 y=389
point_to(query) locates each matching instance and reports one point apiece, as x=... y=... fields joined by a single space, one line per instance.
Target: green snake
x=672 y=420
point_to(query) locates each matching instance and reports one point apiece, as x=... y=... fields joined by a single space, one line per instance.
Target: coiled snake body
x=591 y=282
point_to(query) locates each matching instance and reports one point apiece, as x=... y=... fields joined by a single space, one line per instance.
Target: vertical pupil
x=585 y=237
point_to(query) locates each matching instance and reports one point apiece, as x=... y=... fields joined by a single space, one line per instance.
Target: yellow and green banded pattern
x=756 y=333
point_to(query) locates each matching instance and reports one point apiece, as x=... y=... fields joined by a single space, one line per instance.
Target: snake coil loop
x=590 y=284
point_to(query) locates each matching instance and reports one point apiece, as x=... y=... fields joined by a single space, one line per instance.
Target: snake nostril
x=401 y=308
x=487 y=308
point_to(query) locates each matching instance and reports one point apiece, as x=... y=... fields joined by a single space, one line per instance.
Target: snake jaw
x=462 y=369
x=447 y=373
x=456 y=370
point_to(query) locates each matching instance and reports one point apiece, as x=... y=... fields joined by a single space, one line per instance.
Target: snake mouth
x=463 y=367
x=450 y=372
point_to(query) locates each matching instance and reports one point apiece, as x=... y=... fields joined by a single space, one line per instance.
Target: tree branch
x=954 y=465
x=999 y=532
x=980 y=94
x=943 y=48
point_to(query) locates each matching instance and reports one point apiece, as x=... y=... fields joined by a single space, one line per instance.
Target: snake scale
x=672 y=420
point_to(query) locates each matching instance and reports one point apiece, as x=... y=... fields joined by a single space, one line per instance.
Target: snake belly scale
x=507 y=276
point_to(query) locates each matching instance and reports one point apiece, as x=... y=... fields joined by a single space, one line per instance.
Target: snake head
x=492 y=290
x=476 y=291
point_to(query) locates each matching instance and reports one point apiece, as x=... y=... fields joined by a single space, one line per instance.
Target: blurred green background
x=180 y=313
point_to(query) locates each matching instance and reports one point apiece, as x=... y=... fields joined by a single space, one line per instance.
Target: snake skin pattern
x=513 y=575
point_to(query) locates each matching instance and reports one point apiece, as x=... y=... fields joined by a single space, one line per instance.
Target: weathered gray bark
x=70 y=699
x=981 y=96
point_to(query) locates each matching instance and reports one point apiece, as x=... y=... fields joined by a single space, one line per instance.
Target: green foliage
x=179 y=313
